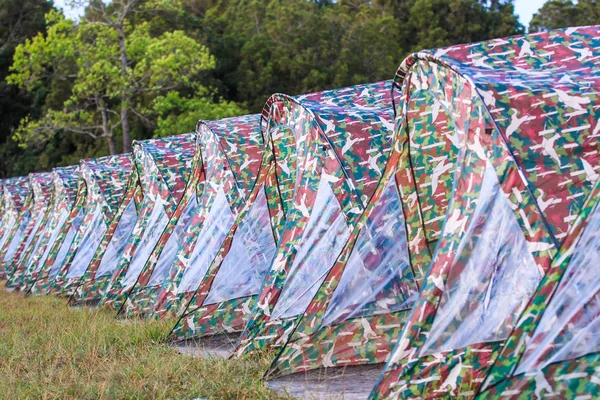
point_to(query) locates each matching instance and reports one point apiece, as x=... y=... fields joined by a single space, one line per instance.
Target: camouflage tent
x=330 y=149
x=228 y=156
x=163 y=166
x=36 y=205
x=15 y=193
x=522 y=113
x=555 y=349
x=100 y=189
x=226 y=283
x=64 y=190
x=360 y=308
x=89 y=284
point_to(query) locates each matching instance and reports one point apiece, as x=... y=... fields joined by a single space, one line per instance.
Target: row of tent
x=445 y=223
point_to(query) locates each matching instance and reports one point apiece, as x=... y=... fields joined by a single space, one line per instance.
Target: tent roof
x=41 y=184
x=540 y=90
x=241 y=141
x=17 y=189
x=357 y=122
x=66 y=178
x=173 y=157
x=111 y=174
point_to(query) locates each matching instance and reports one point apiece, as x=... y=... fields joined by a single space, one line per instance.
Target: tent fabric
x=230 y=152
x=100 y=185
x=523 y=119
x=64 y=191
x=37 y=205
x=163 y=166
x=228 y=156
x=359 y=309
x=330 y=149
x=207 y=286
x=98 y=275
x=14 y=195
x=554 y=350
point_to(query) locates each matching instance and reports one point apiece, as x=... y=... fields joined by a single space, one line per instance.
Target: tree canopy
x=136 y=69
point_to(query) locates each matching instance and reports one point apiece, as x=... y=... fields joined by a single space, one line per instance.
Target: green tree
x=556 y=14
x=438 y=23
x=116 y=68
x=19 y=20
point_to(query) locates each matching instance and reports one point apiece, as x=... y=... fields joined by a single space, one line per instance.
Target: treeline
x=136 y=69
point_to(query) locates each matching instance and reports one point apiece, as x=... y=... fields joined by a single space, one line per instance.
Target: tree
x=438 y=23
x=556 y=14
x=19 y=19
x=115 y=67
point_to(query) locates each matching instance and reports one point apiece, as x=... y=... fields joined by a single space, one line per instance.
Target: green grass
x=51 y=351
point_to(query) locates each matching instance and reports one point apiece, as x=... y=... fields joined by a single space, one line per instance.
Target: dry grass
x=51 y=351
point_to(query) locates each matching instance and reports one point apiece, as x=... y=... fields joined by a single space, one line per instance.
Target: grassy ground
x=51 y=351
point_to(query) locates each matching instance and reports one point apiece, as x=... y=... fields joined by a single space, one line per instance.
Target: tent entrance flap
x=118 y=241
x=9 y=227
x=169 y=252
x=570 y=326
x=55 y=232
x=242 y=272
x=326 y=234
x=492 y=279
x=88 y=245
x=38 y=243
x=157 y=222
x=66 y=244
x=378 y=277
x=16 y=239
x=215 y=228
x=31 y=236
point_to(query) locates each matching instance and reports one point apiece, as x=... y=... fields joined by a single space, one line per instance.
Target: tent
x=360 y=307
x=164 y=166
x=16 y=191
x=91 y=279
x=64 y=189
x=555 y=349
x=35 y=207
x=100 y=189
x=228 y=156
x=524 y=119
x=330 y=149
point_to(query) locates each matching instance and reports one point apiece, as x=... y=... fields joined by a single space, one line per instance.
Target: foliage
x=565 y=13
x=19 y=19
x=177 y=114
x=113 y=67
x=135 y=69
x=51 y=351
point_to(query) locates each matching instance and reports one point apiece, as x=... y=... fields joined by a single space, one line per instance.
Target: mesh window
x=377 y=278
x=66 y=244
x=59 y=227
x=493 y=277
x=324 y=237
x=215 y=228
x=88 y=245
x=14 y=243
x=155 y=226
x=169 y=251
x=570 y=326
x=249 y=258
x=119 y=240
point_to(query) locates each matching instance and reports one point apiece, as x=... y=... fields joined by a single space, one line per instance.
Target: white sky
x=523 y=8
x=526 y=8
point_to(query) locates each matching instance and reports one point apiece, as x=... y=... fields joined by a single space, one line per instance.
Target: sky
x=523 y=8
x=526 y=8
